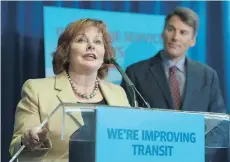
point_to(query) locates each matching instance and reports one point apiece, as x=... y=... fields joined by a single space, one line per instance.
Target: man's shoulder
x=143 y=64
x=202 y=66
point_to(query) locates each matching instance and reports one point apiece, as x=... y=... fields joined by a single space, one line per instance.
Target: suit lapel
x=191 y=83
x=65 y=93
x=158 y=72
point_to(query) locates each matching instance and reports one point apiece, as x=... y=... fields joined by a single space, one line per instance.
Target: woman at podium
x=78 y=64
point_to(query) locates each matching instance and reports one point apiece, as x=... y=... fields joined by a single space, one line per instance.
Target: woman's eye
x=80 y=40
x=98 y=41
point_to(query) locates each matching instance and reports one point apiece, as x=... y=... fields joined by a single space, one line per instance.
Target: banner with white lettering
x=131 y=135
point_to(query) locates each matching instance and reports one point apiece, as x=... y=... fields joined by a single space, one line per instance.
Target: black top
x=82 y=141
x=102 y=102
x=89 y=117
x=86 y=132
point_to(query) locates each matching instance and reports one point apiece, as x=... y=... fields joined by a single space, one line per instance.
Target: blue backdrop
x=133 y=40
x=22 y=47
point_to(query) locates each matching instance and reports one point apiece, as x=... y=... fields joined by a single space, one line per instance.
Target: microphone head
x=111 y=60
x=107 y=61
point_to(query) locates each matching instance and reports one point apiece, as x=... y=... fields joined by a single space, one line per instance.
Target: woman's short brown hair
x=61 y=55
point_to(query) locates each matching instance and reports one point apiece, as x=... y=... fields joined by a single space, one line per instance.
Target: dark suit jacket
x=201 y=93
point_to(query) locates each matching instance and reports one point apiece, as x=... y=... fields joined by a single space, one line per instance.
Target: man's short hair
x=186 y=15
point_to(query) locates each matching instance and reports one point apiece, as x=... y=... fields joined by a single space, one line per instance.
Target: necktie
x=174 y=86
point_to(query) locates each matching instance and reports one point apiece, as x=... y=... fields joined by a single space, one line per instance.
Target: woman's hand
x=34 y=138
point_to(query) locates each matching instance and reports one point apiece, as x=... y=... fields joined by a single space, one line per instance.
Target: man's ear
x=162 y=35
x=193 y=41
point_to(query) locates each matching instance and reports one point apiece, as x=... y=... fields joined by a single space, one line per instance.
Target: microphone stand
x=130 y=84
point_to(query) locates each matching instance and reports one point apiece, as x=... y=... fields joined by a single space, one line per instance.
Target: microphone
x=127 y=80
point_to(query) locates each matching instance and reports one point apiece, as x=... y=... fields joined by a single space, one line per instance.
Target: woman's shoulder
x=110 y=84
x=116 y=92
x=40 y=82
x=115 y=88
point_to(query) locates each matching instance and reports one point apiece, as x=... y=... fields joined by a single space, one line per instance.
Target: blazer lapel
x=190 y=85
x=107 y=93
x=65 y=93
x=159 y=74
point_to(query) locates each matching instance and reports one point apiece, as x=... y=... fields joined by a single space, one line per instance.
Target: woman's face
x=87 y=51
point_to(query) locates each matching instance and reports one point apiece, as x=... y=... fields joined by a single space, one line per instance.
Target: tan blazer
x=39 y=98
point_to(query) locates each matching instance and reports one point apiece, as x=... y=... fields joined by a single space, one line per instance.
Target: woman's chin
x=92 y=66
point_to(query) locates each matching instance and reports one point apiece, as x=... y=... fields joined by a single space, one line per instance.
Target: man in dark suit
x=170 y=80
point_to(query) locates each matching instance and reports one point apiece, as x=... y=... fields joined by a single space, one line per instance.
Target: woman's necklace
x=83 y=95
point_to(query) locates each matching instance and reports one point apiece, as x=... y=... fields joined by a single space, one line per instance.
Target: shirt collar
x=168 y=63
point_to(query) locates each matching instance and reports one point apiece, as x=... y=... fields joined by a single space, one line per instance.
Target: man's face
x=177 y=37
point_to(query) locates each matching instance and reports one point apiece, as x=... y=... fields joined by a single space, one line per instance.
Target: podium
x=128 y=134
